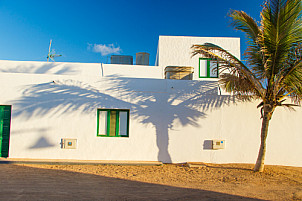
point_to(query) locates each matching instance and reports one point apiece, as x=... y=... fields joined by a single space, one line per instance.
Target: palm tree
x=273 y=70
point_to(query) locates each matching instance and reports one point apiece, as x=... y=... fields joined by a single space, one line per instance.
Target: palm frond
x=293 y=84
x=290 y=106
x=293 y=62
x=290 y=78
x=254 y=57
x=243 y=22
x=281 y=28
x=240 y=85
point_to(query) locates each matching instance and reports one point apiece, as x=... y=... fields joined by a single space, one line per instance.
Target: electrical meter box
x=69 y=143
x=218 y=144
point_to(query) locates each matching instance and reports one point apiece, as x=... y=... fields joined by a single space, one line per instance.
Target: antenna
x=51 y=53
x=49 y=50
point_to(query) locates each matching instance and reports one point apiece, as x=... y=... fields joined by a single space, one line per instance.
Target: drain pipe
x=102 y=69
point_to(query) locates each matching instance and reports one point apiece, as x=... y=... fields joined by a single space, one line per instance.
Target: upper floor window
x=208 y=68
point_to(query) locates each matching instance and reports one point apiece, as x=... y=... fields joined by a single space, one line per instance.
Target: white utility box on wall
x=68 y=143
x=218 y=144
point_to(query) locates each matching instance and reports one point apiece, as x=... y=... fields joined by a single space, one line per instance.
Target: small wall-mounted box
x=68 y=143
x=218 y=144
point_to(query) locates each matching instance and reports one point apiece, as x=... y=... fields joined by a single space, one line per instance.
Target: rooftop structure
x=121 y=59
x=142 y=58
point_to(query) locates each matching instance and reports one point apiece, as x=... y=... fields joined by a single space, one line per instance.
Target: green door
x=5 y=115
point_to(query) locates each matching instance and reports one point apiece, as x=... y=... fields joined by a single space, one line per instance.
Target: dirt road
x=167 y=182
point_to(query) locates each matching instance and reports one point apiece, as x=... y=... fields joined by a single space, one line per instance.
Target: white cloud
x=104 y=49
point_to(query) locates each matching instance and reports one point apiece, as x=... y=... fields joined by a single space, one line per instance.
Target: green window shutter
x=5 y=118
x=112 y=123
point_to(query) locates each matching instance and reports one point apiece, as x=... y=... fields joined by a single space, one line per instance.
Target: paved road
x=26 y=183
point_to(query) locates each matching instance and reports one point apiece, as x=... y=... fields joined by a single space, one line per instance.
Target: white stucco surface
x=135 y=71
x=80 y=69
x=170 y=120
x=57 y=68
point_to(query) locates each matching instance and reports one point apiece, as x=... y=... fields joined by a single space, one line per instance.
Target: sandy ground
x=167 y=182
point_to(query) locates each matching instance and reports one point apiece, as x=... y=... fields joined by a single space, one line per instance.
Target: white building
x=131 y=113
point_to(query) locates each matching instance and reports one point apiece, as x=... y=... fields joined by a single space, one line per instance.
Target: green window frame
x=207 y=72
x=113 y=122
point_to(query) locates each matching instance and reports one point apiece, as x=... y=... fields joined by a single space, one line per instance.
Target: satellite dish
x=51 y=53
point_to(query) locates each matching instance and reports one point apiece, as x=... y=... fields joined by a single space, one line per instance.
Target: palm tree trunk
x=259 y=166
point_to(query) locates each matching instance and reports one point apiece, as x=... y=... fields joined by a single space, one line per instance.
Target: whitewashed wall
x=80 y=69
x=176 y=50
x=134 y=71
x=171 y=120
x=57 y=68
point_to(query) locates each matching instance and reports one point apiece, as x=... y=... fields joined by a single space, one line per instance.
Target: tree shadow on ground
x=27 y=183
x=167 y=103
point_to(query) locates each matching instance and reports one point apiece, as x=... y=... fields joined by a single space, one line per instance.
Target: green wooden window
x=208 y=68
x=113 y=122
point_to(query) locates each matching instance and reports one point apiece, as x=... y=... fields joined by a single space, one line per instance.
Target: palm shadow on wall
x=161 y=109
x=174 y=105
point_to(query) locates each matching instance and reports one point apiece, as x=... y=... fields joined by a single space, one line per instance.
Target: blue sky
x=90 y=31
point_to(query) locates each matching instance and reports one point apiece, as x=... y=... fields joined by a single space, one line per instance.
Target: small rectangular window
x=113 y=122
x=208 y=68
